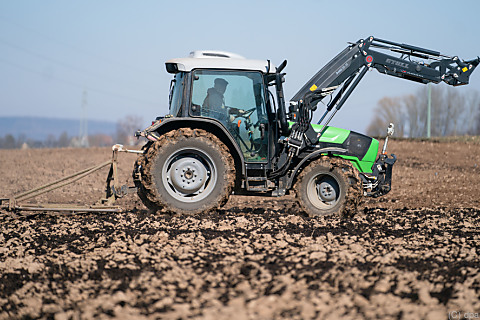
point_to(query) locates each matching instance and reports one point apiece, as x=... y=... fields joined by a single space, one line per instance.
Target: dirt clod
x=415 y=254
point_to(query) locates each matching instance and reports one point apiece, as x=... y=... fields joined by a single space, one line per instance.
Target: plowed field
x=413 y=254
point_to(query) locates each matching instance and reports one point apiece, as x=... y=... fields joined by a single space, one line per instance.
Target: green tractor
x=229 y=131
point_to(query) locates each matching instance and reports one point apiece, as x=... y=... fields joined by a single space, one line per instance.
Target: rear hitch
x=379 y=182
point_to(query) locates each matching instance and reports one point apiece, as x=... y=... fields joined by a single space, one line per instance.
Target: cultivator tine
x=59 y=183
x=112 y=192
x=4 y=203
x=68 y=208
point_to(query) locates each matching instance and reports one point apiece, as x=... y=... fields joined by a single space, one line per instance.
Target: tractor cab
x=230 y=90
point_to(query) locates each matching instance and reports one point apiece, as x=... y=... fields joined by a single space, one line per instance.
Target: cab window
x=176 y=94
x=236 y=99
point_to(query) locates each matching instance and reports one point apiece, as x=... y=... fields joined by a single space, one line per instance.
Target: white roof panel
x=189 y=64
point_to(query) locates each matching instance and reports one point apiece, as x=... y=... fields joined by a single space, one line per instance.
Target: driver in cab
x=214 y=102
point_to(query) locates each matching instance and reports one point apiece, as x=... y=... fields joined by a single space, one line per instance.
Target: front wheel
x=329 y=186
x=187 y=171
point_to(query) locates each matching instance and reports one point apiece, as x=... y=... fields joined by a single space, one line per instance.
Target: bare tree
x=415 y=116
x=447 y=106
x=387 y=110
x=126 y=128
x=471 y=116
x=63 y=140
x=452 y=113
x=8 y=142
x=51 y=141
x=100 y=140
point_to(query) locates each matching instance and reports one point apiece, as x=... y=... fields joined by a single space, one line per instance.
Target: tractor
x=229 y=131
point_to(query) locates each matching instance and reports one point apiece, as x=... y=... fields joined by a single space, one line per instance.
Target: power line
x=60 y=63
x=77 y=49
x=78 y=85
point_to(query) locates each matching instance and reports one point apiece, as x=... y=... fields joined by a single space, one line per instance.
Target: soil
x=413 y=254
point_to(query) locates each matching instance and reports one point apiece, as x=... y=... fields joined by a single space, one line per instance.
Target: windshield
x=237 y=100
x=176 y=93
x=215 y=91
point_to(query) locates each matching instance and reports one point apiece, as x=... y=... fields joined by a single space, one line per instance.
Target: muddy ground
x=413 y=254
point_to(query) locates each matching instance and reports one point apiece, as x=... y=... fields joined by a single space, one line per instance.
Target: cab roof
x=217 y=60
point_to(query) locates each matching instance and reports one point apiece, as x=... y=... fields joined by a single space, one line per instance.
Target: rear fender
x=209 y=125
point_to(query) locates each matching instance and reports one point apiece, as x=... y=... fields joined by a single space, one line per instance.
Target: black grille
x=357 y=144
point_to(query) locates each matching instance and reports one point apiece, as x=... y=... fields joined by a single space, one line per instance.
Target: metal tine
x=77 y=176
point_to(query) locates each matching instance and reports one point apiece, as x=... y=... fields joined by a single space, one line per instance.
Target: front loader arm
x=430 y=66
x=343 y=73
x=433 y=66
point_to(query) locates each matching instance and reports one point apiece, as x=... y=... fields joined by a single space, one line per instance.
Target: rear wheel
x=186 y=171
x=329 y=186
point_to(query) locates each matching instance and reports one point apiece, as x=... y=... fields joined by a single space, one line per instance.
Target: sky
x=110 y=55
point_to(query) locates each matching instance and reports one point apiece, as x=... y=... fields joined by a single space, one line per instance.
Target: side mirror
x=390 y=130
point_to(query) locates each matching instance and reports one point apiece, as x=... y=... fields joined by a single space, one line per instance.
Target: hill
x=38 y=128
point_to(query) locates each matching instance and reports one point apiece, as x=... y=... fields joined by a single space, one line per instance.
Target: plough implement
x=113 y=190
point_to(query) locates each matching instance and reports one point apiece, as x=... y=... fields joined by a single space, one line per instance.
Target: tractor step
x=257 y=184
x=257 y=188
x=256 y=178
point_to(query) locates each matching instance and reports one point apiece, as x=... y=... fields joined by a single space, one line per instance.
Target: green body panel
x=366 y=163
x=332 y=134
x=338 y=136
x=361 y=166
x=371 y=154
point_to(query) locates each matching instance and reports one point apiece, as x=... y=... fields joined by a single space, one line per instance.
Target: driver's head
x=220 y=84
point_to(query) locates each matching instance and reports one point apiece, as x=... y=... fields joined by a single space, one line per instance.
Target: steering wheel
x=248 y=113
x=239 y=113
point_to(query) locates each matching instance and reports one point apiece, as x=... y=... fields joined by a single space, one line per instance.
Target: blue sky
x=52 y=50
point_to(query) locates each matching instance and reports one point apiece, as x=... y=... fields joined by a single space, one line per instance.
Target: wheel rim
x=323 y=191
x=189 y=175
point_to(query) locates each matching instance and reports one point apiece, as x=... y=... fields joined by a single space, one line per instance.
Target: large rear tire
x=329 y=186
x=187 y=171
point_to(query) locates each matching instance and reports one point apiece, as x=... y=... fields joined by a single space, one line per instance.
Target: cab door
x=237 y=100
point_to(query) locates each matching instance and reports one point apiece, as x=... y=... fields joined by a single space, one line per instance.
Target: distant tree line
x=453 y=112
x=124 y=135
x=62 y=141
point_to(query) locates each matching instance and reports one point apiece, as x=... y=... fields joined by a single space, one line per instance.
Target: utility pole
x=429 y=110
x=84 y=122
